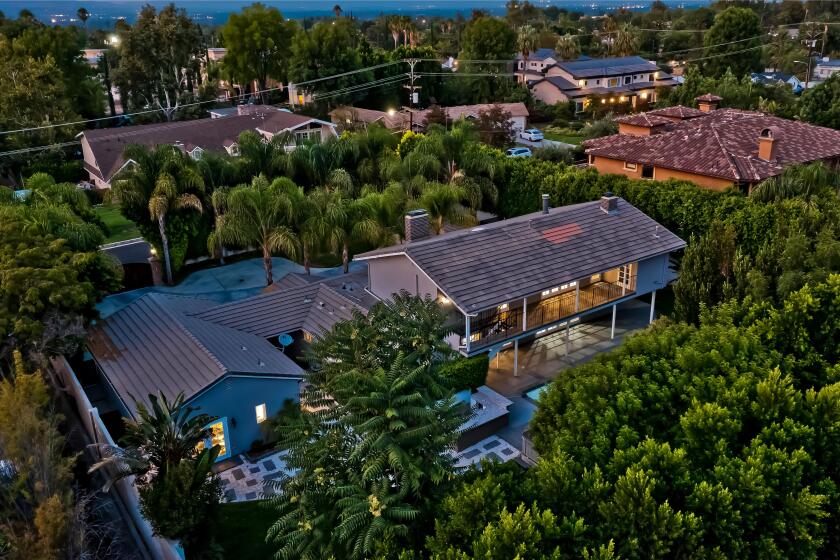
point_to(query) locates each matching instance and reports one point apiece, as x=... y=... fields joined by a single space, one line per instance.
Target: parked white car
x=532 y=134
x=519 y=152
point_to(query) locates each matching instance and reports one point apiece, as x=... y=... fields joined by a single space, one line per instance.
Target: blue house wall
x=653 y=274
x=234 y=399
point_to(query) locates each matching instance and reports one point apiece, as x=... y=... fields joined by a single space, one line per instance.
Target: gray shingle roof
x=294 y=303
x=499 y=262
x=153 y=345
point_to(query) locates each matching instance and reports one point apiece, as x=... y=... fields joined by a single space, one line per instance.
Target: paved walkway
x=543 y=359
x=247 y=481
x=492 y=448
x=221 y=283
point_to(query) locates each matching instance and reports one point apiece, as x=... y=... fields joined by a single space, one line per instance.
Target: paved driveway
x=543 y=143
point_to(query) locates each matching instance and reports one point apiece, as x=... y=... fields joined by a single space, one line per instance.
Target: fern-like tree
x=625 y=41
x=371 y=449
x=446 y=203
x=260 y=214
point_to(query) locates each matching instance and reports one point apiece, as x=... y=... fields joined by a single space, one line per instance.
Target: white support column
x=612 y=328
x=467 y=332
x=652 y=305
x=516 y=357
x=568 y=325
x=524 y=314
x=577 y=296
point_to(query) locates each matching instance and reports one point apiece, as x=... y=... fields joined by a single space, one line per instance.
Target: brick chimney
x=416 y=225
x=768 y=143
x=609 y=204
x=708 y=102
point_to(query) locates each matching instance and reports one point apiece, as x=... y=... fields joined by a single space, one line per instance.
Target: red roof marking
x=561 y=234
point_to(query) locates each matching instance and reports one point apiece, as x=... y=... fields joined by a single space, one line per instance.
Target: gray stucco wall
x=389 y=275
x=236 y=398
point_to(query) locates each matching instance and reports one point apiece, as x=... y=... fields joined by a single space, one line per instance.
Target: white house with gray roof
x=525 y=277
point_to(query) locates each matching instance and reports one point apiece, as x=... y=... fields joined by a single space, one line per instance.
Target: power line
x=39 y=148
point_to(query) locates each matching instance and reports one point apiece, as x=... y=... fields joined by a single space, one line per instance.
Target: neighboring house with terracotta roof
x=103 y=148
x=626 y=79
x=715 y=148
x=519 y=279
x=401 y=120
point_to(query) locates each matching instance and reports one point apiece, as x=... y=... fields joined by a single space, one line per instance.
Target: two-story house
x=533 y=66
x=617 y=80
x=515 y=280
x=826 y=68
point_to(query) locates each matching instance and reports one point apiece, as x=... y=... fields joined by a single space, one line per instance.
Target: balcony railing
x=496 y=325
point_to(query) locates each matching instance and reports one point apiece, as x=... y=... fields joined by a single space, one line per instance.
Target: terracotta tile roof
x=108 y=144
x=644 y=119
x=724 y=144
x=463 y=111
x=400 y=119
x=678 y=112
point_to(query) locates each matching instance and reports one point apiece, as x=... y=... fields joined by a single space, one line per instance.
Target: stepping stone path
x=247 y=481
x=492 y=448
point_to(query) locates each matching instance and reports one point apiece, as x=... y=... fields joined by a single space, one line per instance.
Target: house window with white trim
x=629 y=166
x=262 y=414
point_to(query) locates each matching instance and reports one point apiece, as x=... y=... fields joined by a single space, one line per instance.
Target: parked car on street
x=532 y=134
x=519 y=152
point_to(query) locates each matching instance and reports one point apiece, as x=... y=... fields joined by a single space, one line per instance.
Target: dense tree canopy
x=688 y=442
x=733 y=42
x=258 y=41
x=821 y=104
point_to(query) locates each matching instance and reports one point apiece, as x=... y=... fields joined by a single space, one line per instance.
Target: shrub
x=466 y=373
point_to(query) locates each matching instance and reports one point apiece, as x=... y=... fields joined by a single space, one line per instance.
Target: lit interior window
x=546 y=292
x=474 y=337
x=503 y=307
x=261 y=413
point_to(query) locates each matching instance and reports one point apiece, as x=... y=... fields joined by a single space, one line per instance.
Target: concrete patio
x=543 y=359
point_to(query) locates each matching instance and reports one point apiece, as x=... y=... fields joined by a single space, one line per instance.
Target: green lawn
x=120 y=227
x=569 y=136
x=242 y=530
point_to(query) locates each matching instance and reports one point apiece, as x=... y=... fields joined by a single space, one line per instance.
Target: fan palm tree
x=260 y=214
x=526 y=43
x=445 y=203
x=163 y=435
x=171 y=194
x=626 y=41
x=567 y=47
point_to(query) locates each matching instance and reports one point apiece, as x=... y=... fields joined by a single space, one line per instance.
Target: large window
x=262 y=416
x=218 y=436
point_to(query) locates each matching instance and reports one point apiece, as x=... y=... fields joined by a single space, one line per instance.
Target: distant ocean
x=105 y=12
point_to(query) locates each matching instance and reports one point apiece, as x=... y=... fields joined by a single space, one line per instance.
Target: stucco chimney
x=416 y=225
x=708 y=102
x=609 y=204
x=545 y=204
x=768 y=143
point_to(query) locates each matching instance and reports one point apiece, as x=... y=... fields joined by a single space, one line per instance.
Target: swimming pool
x=535 y=393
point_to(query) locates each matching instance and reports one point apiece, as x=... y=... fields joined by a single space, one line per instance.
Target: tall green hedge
x=466 y=373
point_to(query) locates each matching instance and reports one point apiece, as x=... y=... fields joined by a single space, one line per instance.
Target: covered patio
x=543 y=359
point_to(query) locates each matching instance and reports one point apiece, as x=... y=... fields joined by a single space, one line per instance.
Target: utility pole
x=811 y=44
x=413 y=97
x=824 y=39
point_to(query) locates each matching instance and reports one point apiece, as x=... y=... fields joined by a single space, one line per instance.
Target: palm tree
x=395 y=27
x=83 y=15
x=567 y=47
x=526 y=43
x=170 y=194
x=256 y=156
x=326 y=221
x=162 y=436
x=337 y=11
x=445 y=203
x=159 y=181
x=626 y=41
x=260 y=214
x=805 y=181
